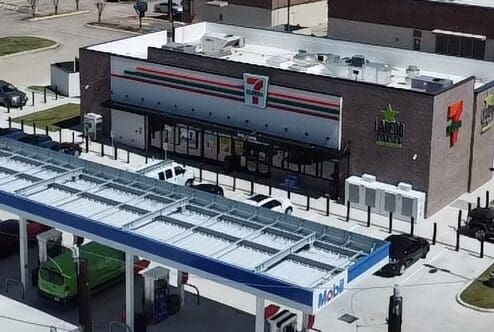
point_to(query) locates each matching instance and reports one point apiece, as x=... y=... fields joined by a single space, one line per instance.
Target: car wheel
x=189 y=183
x=289 y=211
x=402 y=269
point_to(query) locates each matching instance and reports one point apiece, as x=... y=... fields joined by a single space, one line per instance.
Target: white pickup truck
x=168 y=171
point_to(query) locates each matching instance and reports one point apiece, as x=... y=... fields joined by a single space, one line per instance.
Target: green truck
x=57 y=277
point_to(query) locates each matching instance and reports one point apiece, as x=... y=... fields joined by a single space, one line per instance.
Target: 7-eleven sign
x=455 y=113
x=255 y=90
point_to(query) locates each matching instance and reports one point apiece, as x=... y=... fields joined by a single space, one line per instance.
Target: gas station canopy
x=285 y=259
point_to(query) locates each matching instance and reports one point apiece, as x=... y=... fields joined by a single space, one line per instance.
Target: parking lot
x=429 y=287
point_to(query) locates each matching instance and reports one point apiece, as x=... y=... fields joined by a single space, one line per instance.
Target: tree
x=55 y=5
x=34 y=6
x=100 y=5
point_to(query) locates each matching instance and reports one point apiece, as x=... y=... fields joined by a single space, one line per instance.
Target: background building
x=456 y=27
x=263 y=13
x=275 y=105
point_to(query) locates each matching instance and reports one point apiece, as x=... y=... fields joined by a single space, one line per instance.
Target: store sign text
x=255 y=90
x=487 y=115
x=329 y=294
x=389 y=131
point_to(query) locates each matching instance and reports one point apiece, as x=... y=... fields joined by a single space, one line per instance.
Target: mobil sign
x=325 y=294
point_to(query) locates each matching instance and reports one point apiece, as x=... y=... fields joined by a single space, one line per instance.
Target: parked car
x=9 y=235
x=34 y=139
x=68 y=148
x=210 y=188
x=177 y=9
x=275 y=204
x=404 y=251
x=14 y=133
x=57 y=277
x=11 y=96
x=171 y=172
x=480 y=223
x=9 y=131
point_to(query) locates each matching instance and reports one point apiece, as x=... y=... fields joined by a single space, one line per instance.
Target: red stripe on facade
x=238 y=87
x=310 y=100
x=161 y=72
x=282 y=108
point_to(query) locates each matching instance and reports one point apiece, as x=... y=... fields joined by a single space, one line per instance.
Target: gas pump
x=49 y=244
x=156 y=282
x=284 y=321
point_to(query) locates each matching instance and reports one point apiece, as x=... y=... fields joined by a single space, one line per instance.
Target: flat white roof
x=479 y=3
x=19 y=317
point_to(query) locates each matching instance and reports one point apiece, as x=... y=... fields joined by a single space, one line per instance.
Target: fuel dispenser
x=49 y=244
x=283 y=321
x=156 y=287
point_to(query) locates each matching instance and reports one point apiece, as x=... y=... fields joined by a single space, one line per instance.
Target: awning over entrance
x=288 y=260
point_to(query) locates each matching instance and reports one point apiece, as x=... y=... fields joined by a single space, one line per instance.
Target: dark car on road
x=34 y=139
x=404 y=251
x=210 y=188
x=480 y=223
x=68 y=148
x=9 y=235
x=9 y=131
x=10 y=96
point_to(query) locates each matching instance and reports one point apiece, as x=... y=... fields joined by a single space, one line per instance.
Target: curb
x=92 y=26
x=470 y=306
x=36 y=50
x=58 y=16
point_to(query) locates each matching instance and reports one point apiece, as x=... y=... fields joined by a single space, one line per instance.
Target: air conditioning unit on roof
x=219 y=44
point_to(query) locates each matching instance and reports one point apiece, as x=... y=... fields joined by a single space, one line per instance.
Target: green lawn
x=478 y=294
x=11 y=45
x=52 y=116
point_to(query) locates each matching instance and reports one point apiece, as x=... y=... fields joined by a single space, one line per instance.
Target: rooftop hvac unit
x=218 y=44
x=430 y=84
x=357 y=61
x=362 y=192
x=304 y=59
x=379 y=73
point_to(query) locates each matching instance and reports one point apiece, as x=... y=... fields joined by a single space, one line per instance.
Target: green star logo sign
x=389 y=131
x=389 y=114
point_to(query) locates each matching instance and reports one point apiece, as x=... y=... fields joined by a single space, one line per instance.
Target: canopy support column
x=129 y=290
x=23 y=252
x=259 y=314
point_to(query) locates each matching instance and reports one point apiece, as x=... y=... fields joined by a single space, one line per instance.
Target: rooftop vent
x=430 y=84
x=182 y=47
x=217 y=44
x=304 y=59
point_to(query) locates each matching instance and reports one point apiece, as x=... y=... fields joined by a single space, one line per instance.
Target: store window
x=277 y=158
x=327 y=170
x=460 y=46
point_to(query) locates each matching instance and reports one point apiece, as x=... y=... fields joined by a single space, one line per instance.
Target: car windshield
x=8 y=88
x=51 y=276
x=399 y=245
x=258 y=198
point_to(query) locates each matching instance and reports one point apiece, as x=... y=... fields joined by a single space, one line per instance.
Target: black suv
x=10 y=96
x=480 y=223
x=403 y=252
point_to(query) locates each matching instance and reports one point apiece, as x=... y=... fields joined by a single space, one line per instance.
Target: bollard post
x=270 y=188
x=217 y=178
x=482 y=247
x=200 y=172
x=34 y=128
x=102 y=148
x=46 y=130
x=73 y=137
x=478 y=201
x=251 y=187
x=412 y=225
x=86 y=139
x=327 y=206
x=487 y=199
x=115 y=150
x=44 y=95
x=390 y=229
x=32 y=98
x=469 y=207
x=8 y=107
x=368 y=216
x=60 y=135
x=22 y=125
x=457 y=247
x=288 y=193
x=434 y=233
x=56 y=92
x=234 y=183
x=308 y=203
x=128 y=157
x=10 y=122
x=347 y=211
x=146 y=158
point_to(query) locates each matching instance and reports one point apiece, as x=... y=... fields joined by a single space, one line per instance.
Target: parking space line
x=422 y=267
